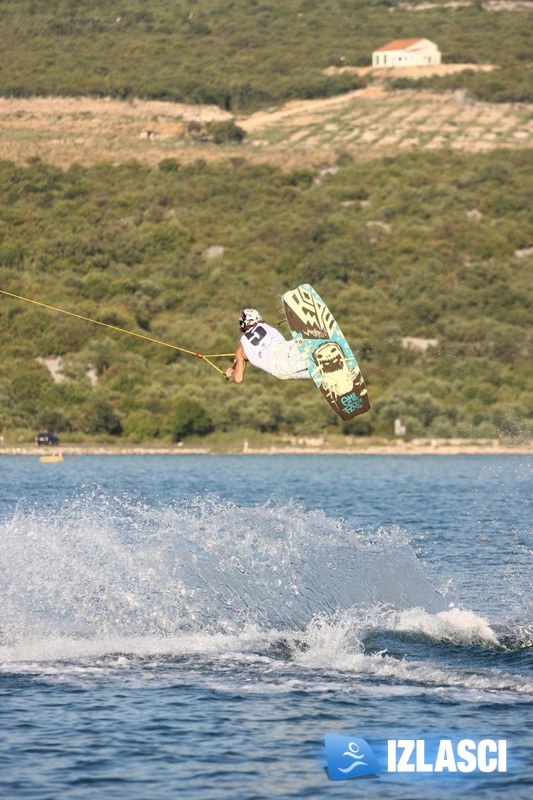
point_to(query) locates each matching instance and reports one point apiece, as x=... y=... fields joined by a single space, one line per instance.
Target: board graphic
x=324 y=348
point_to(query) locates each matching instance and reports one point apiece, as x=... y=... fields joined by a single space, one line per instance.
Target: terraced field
x=367 y=123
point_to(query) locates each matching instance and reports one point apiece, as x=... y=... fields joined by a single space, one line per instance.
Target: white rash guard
x=266 y=348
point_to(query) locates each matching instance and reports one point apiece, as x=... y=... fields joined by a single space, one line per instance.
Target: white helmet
x=249 y=317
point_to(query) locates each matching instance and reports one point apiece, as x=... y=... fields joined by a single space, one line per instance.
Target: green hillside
x=422 y=245
x=245 y=54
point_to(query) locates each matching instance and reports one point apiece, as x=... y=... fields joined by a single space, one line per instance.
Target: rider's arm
x=239 y=365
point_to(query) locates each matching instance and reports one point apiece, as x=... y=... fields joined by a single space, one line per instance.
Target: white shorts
x=287 y=363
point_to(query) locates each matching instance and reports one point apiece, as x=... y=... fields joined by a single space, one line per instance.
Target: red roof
x=400 y=44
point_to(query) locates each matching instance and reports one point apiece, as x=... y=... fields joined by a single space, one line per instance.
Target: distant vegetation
x=245 y=54
x=511 y=84
x=424 y=245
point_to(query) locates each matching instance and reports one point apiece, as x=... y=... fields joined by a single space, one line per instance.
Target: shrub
x=102 y=418
x=225 y=131
x=189 y=419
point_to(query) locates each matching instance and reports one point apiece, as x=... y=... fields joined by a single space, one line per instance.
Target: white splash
x=105 y=567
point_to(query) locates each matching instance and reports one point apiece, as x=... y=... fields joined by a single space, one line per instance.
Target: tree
x=190 y=419
x=102 y=418
x=226 y=131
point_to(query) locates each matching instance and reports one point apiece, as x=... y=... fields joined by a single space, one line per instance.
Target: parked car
x=46 y=438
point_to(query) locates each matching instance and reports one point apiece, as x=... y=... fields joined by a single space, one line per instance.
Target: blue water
x=192 y=626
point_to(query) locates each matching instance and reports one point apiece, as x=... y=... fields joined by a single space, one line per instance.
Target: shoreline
x=300 y=447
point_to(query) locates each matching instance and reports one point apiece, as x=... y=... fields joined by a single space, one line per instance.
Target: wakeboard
x=328 y=356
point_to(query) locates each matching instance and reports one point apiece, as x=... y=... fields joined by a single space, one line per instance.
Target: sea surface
x=193 y=626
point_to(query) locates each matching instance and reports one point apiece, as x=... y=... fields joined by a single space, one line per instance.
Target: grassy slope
x=392 y=244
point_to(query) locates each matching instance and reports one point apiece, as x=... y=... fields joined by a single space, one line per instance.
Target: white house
x=407 y=53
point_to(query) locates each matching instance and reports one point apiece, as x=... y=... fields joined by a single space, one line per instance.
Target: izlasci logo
x=349 y=757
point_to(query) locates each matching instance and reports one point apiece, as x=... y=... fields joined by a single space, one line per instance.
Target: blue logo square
x=349 y=757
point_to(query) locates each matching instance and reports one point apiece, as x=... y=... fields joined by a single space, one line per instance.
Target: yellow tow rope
x=205 y=358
